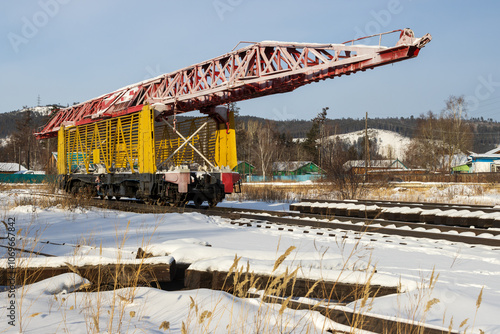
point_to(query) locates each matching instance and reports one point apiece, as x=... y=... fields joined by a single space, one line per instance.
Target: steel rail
x=318 y=221
x=421 y=205
x=304 y=220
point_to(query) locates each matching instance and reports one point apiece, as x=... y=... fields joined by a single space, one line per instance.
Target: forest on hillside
x=261 y=141
x=486 y=132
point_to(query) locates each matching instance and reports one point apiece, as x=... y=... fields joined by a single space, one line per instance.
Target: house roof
x=375 y=163
x=496 y=150
x=244 y=162
x=454 y=160
x=10 y=167
x=485 y=155
x=493 y=154
x=289 y=166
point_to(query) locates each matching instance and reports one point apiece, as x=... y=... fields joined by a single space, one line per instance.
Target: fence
x=388 y=177
x=438 y=177
x=285 y=178
x=26 y=178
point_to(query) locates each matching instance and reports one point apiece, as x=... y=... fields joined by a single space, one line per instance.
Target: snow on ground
x=51 y=307
x=463 y=272
x=255 y=205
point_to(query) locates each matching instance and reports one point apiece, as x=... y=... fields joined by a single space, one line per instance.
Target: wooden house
x=281 y=168
x=244 y=168
x=374 y=166
x=11 y=168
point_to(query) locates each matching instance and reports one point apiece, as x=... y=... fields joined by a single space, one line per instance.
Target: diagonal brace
x=186 y=141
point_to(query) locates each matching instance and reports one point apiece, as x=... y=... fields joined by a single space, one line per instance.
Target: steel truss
x=256 y=70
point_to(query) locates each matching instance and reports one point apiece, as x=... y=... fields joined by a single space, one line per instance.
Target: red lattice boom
x=256 y=70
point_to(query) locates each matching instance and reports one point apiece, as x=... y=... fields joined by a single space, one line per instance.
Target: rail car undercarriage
x=175 y=188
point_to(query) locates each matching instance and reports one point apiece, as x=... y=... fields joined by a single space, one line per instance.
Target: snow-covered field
x=50 y=306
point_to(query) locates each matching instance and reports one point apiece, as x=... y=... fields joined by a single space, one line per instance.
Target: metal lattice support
x=112 y=144
x=193 y=141
x=256 y=70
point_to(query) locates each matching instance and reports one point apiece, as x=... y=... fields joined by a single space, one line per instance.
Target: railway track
x=320 y=224
x=481 y=216
x=326 y=218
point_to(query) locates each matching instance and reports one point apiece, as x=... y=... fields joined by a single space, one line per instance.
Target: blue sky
x=73 y=50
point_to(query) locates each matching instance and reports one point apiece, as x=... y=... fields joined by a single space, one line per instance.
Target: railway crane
x=129 y=143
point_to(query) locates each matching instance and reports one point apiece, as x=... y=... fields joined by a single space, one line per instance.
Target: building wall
x=481 y=167
x=461 y=169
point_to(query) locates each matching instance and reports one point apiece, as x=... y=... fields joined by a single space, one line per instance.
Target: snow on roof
x=485 y=155
x=375 y=163
x=454 y=160
x=10 y=167
x=244 y=162
x=496 y=150
x=289 y=166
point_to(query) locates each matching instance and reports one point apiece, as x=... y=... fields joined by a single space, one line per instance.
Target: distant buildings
x=10 y=167
x=282 y=168
x=358 y=166
x=244 y=168
x=488 y=162
x=282 y=171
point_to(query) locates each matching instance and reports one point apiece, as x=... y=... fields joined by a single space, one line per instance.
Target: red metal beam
x=256 y=70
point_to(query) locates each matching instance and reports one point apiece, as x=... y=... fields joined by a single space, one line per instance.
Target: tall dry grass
x=485 y=194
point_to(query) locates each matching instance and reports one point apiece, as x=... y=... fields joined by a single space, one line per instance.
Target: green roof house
x=464 y=168
x=296 y=168
x=244 y=168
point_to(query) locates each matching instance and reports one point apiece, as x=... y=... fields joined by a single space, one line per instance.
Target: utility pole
x=366 y=147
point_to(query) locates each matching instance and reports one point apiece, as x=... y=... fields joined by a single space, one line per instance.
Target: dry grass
x=281 y=192
x=437 y=193
x=42 y=196
x=112 y=289
x=411 y=192
x=243 y=283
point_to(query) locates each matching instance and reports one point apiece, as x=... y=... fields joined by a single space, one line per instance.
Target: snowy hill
x=40 y=110
x=389 y=144
x=9 y=120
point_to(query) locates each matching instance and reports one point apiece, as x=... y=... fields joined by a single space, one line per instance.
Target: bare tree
x=266 y=148
x=425 y=150
x=24 y=140
x=439 y=139
x=457 y=136
x=348 y=184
